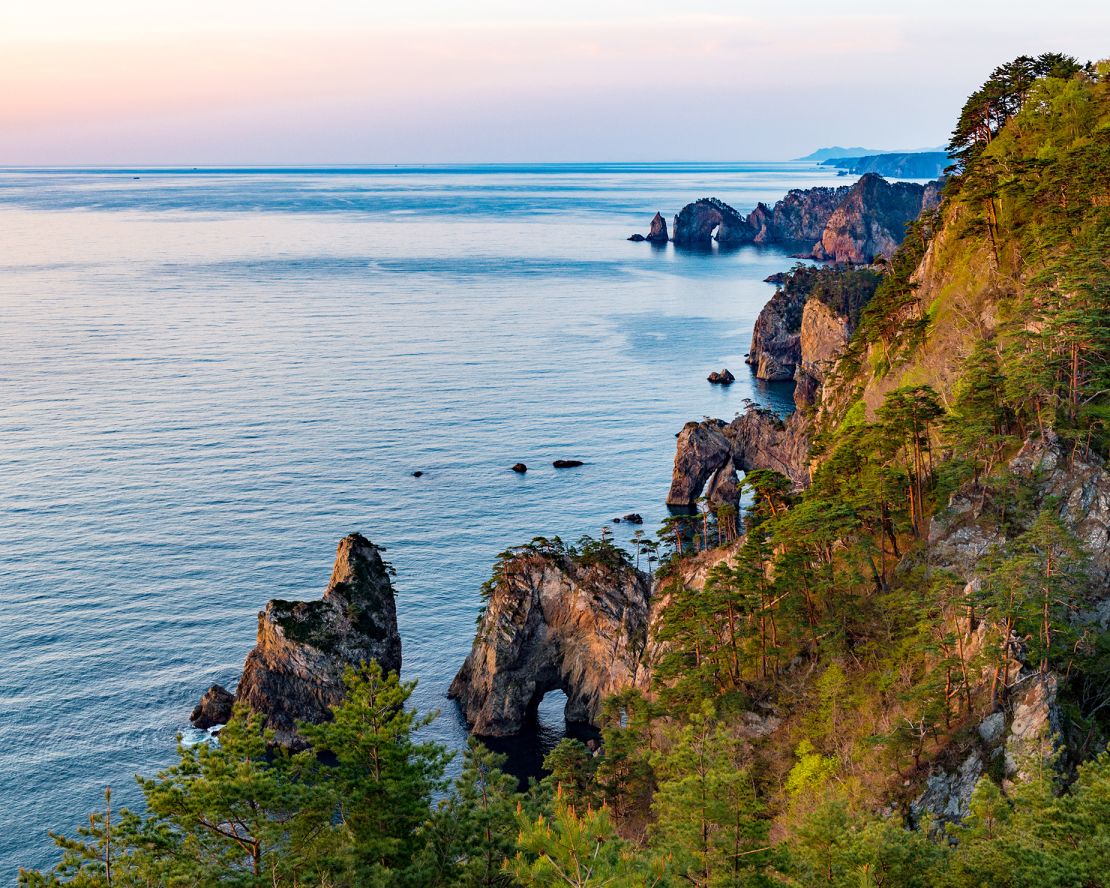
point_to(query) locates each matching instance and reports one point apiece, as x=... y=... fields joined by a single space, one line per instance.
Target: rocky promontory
x=851 y=223
x=555 y=619
x=295 y=671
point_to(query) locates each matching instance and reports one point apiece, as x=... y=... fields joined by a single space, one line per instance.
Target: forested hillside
x=898 y=675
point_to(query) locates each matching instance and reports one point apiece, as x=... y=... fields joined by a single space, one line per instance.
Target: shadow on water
x=542 y=732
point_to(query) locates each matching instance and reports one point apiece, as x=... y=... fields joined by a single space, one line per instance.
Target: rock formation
x=774 y=352
x=567 y=463
x=852 y=223
x=723 y=377
x=657 y=234
x=213 y=709
x=553 y=621
x=295 y=671
x=709 y=454
x=870 y=221
x=704 y=220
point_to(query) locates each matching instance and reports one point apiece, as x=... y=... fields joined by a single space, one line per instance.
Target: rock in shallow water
x=567 y=463
x=213 y=709
x=725 y=377
x=520 y=468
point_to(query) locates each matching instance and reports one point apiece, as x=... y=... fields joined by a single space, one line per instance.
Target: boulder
x=567 y=463
x=637 y=238
x=634 y=518
x=214 y=708
x=723 y=378
x=553 y=623
x=520 y=468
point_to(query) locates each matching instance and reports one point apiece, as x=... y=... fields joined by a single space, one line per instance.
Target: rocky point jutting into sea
x=853 y=223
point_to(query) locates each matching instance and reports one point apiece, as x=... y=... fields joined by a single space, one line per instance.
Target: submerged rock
x=295 y=671
x=553 y=623
x=567 y=463
x=213 y=709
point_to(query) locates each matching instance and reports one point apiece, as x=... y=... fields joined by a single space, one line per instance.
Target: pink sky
x=350 y=86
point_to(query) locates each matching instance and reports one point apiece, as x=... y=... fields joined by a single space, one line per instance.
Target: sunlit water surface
x=207 y=378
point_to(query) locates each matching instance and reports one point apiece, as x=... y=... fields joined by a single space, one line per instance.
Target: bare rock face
x=703 y=455
x=213 y=709
x=801 y=216
x=870 y=221
x=553 y=622
x=774 y=352
x=822 y=337
x=709 y=453
x=295 y=671
x=1035 y=730
x=704 y=220
x=657 y=234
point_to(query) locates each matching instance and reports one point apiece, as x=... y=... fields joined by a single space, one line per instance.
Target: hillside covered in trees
x=895 y=674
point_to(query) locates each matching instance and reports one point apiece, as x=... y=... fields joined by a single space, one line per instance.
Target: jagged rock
x=870 y=221
x=704 y=220
x=1078 y=481
x=213 y=709
x=709 y=453
x=704 y=454
x=294 y=673
x=947 y=794
x=723 y=378
x=801 y=216
x=634 y=518
x=553 y=623
x=779 y=277
x=992 y=728
x=822 y=338
x=657 y=234
x=520 y=468
x=567 y=463
x=1035 y=730
x=774 y=352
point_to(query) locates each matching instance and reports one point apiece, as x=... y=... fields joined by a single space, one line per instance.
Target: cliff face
x=709 y=453
x=774 y=352
x=295 y=671
x=852 y=223
x=553 y=623
x=870 y=221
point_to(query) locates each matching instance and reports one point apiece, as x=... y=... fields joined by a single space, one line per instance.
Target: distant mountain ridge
x=909 y=164
x=834 y=152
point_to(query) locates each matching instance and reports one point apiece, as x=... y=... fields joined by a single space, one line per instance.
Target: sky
x=468 y=81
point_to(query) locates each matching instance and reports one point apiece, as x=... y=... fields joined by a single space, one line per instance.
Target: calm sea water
x=208 y=377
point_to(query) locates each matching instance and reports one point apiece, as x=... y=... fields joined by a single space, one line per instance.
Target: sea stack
x=295 y=671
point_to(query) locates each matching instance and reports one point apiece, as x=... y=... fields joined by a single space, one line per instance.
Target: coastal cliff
x=295 y=671
x=850 y=224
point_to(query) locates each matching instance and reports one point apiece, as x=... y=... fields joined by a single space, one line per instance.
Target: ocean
x=208 y=377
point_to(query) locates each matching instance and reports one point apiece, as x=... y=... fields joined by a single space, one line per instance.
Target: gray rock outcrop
x=213 y=709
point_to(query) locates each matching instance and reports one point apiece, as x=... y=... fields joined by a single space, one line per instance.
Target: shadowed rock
x=657 y=234
x=213 y=709
x=553 y=622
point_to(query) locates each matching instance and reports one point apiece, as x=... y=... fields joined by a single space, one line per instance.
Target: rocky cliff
x=554 y=620
x=870 y=221
x=295 y=671
x=709 y=453
x=852 y=223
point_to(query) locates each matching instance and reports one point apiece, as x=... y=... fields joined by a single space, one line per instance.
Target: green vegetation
x=805 y=689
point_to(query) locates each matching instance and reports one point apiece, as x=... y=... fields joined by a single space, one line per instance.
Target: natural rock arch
x=553 y=621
